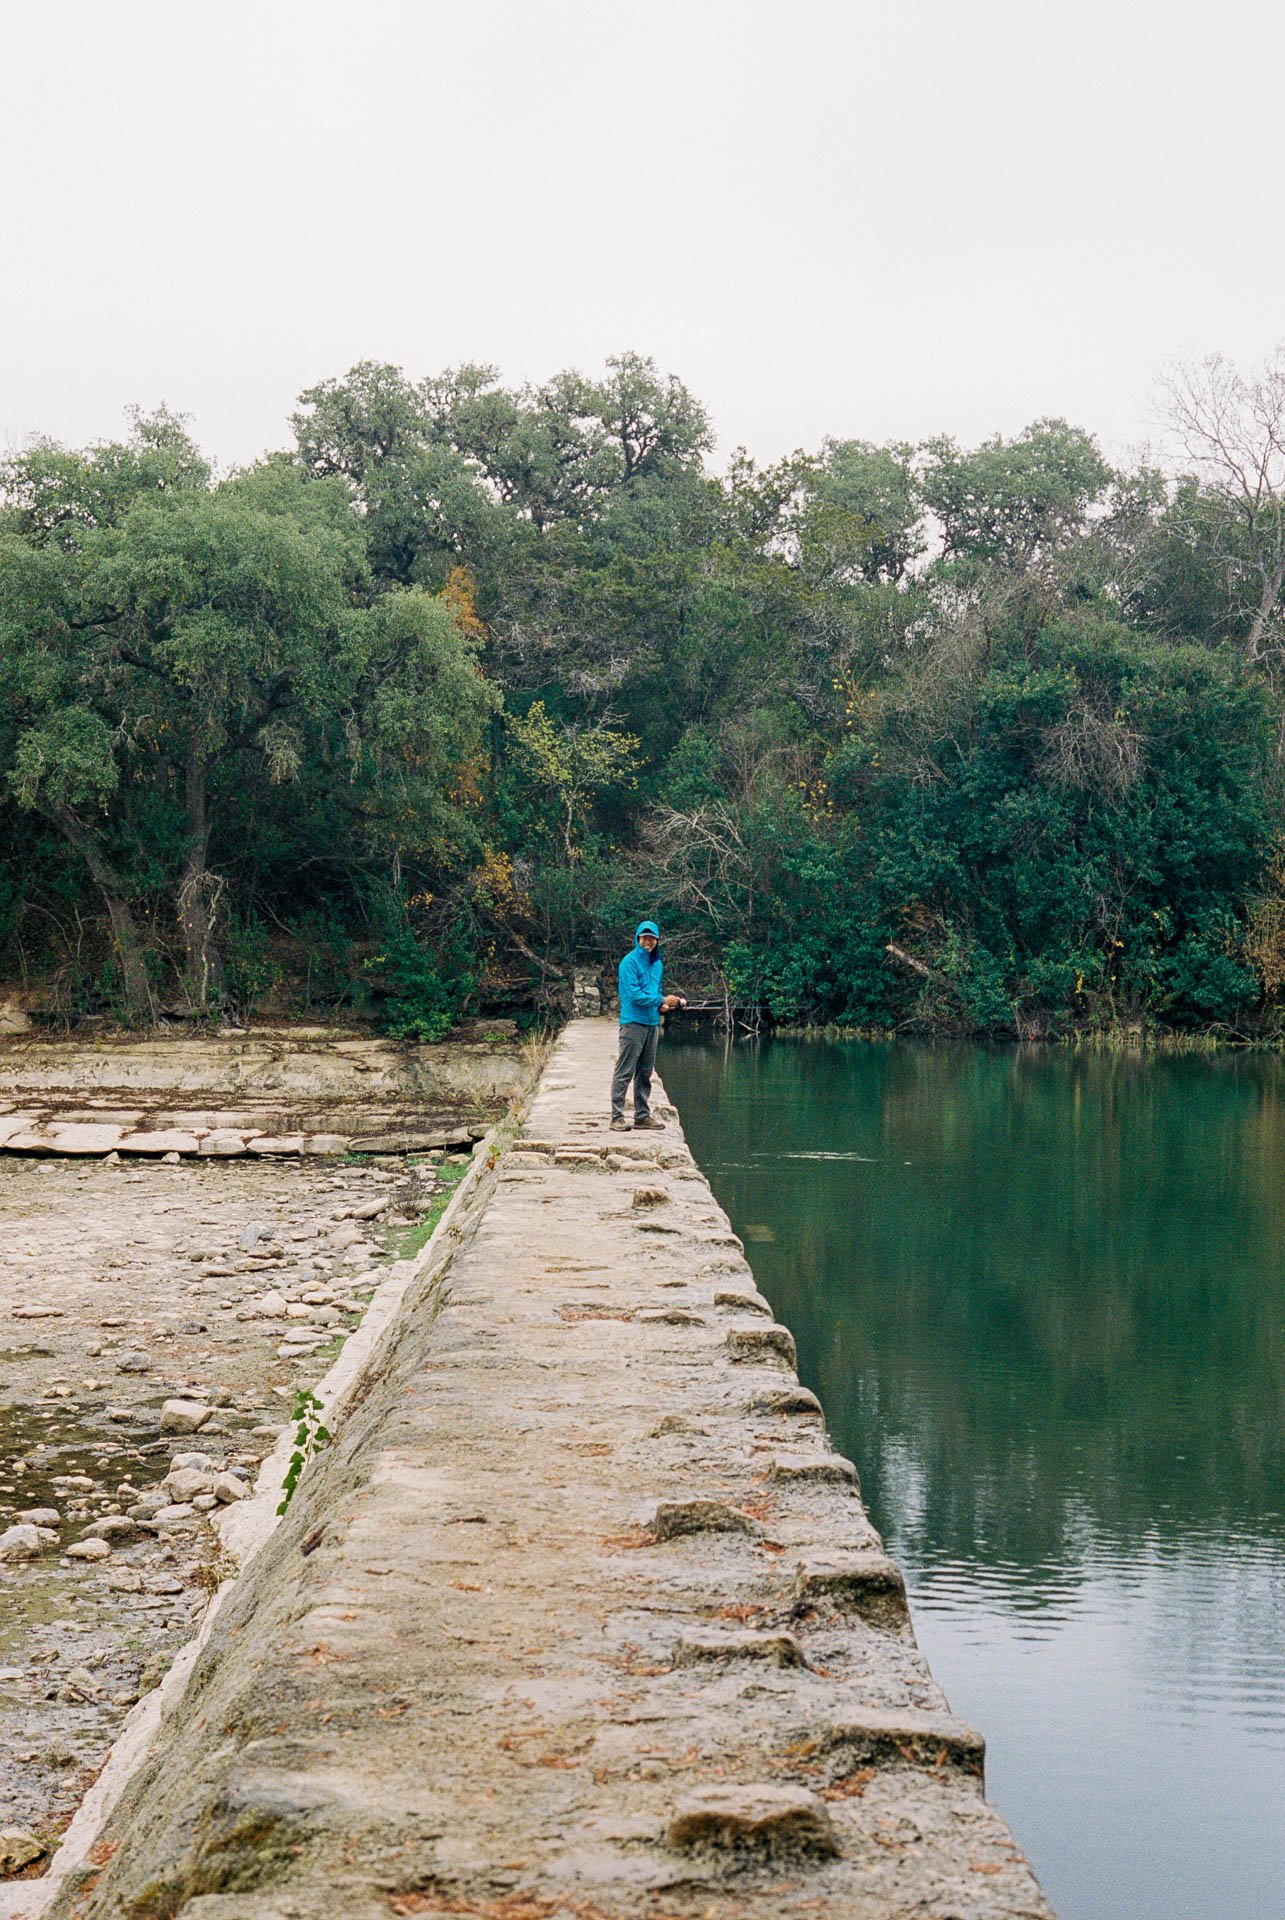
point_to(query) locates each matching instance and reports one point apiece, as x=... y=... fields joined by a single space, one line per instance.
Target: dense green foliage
x=422 y=712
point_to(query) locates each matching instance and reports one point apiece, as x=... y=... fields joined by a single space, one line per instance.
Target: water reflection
x=1041 y=1296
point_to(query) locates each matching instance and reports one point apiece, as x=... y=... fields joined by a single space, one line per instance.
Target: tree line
x=414 y=716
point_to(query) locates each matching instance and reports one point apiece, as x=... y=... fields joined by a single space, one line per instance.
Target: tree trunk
x=130 y=950
x=925 y=972
x=1268 y=602
x=198 y=896
x=133 y=961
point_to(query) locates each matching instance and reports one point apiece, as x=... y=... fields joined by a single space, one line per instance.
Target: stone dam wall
x=579 y=1617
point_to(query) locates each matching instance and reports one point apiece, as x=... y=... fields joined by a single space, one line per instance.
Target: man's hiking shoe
x=618 y=1126
x=651 y=1124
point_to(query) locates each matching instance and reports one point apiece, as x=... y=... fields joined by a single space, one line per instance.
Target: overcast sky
x=881 y=218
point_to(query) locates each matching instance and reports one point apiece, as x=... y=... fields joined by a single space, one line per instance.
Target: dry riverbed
x=223 y=1285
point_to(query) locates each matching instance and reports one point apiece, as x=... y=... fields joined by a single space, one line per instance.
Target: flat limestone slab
x=561 y=1627
x=43 y=1134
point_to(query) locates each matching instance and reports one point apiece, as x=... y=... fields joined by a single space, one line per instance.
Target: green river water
x=1042 y=1297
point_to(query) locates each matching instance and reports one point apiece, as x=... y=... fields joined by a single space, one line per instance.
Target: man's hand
x=671 y=1001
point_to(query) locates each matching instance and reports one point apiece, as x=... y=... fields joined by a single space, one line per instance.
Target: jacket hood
x=646 y=926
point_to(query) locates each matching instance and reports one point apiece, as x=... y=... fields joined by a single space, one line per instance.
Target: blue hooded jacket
x=640 y=979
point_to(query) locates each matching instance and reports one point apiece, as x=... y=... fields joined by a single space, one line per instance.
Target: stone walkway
x=580 y=1618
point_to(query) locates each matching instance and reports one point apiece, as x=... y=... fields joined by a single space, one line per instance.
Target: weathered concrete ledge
x=580 y=1618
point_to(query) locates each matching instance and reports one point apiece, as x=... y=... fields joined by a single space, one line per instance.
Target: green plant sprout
x=310 y=1437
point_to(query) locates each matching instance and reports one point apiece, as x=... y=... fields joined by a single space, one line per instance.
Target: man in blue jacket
x=642 y=1001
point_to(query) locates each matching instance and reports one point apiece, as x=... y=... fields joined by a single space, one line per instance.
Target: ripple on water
x=1209 y=1610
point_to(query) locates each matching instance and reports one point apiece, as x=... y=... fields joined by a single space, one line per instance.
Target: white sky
x=881 y=218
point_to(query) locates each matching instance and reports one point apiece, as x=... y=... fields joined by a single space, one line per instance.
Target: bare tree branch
x=1231 y=427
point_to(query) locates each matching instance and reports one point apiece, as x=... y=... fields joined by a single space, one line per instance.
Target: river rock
x=148 y=1505
x=20 y=1543
x=251 y=1235
x=228 y=1488
x=184 y=1416
x=113 y=1526
x=133 y=1360
x=184 y=1483
x=180 y=1514
x=40 y=1517
x=370 y=1209
x=91 y=1549
x=18 y=1849
x=80 y=1684
x=203 y=1462
x=269 y=1306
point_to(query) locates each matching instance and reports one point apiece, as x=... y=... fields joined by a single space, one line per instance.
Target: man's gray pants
x=634 y=1062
